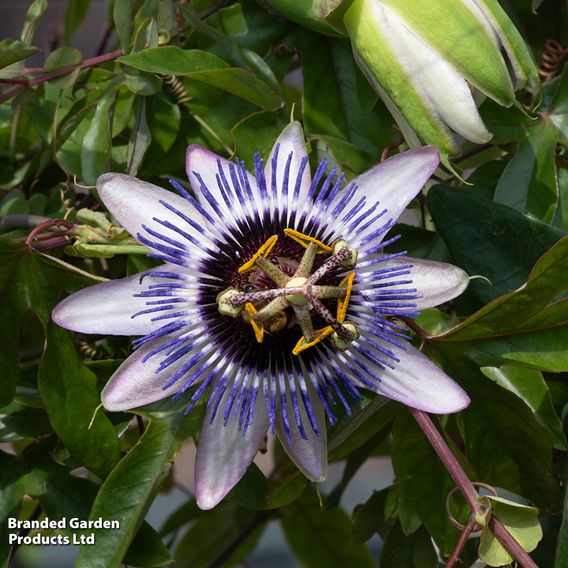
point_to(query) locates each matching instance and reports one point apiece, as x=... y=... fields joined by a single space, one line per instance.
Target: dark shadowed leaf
x=131 y=487
x=423 y=480
x=321 y=537
x=489 y=239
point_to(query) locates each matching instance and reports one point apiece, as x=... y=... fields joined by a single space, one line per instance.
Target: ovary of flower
x=313 y=254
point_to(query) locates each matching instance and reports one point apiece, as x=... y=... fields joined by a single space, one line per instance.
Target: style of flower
x=275 y=298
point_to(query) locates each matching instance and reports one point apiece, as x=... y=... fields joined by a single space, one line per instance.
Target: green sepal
x=452 y=30
x=384 y=71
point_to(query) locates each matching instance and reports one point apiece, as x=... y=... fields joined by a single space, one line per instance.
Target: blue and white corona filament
x=275 y=302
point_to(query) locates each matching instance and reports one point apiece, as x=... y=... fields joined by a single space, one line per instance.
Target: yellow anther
x=304 y=240
x=342 y=303
x=319 y=335
x=264 y=251
x=251 y=311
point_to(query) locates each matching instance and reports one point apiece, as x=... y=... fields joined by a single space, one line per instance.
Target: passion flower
x=275 y=301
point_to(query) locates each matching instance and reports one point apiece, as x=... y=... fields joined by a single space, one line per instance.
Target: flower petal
x=309 y=455
x=392 y=184
x=290 y=142
x=136 y=383
x=225 y=453
x=108 y=308
x=233 y=202
x=416 y=381
x=135 y=203
x=435 y=282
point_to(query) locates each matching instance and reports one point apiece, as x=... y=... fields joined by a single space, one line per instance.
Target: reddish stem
x=467 y=489
x=47 y=225
x=468 y=529
x=390 y=147
x=21 y=84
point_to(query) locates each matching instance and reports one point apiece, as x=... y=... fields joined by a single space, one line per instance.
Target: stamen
x=258 y=329
x=304 y=240
x=263 y=252
x=320 y=334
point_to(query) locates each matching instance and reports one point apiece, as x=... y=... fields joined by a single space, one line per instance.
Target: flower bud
x=424 y=57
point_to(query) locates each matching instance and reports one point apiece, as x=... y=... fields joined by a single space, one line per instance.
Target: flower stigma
x=281 y=300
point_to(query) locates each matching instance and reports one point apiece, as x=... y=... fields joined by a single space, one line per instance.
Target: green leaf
x=163 y=118
x=415 y=551
x=13 y=489
x=256 y=133
x=132 y=485
x=321 y=537
x=147 y=549
x=369 y=517
x=122 y=17
x=562 y=543
x=506 y=446
x=33 y=17
x=13 y=51
x=140 y=138
x=96 y=146
x=71 y=397
x=252 y=490
x=62 y=57
x=27 y=281
x=18 y=422
x=529 y=385
x=521 y=521
x=522 y=309
x=489 y=239
x=206 y=68
x=328 y=67
x=423 y=480
x=529 y=180
x=75 y=16
x=353 y=431
x=211 y=534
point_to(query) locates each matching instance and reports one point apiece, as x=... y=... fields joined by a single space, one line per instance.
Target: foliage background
x=229 y=75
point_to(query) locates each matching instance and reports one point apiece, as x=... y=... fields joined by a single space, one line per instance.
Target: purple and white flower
x=275 y=300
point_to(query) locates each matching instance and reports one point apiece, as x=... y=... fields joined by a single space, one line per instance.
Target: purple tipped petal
x=396 y=181
x=435 y=282
x=293 y=181
x=136 y=383
x=135 y=203
x=418 y=382
x=212 y=179
x=309 y=455
x=224 y=452
x=107 y=308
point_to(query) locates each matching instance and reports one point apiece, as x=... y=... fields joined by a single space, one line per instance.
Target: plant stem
x=461 y=542
x=467 y=489
x=21 y=84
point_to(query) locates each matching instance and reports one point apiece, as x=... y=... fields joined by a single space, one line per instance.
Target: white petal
x=203 y=163
x=436 y=282
x=309 y=455
x=392 y=184
x=445 y=87
x=136 y=383
x=135 y=202
x=418 y=382
x=224 y=453
x=290 y=141
x=107 y=308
